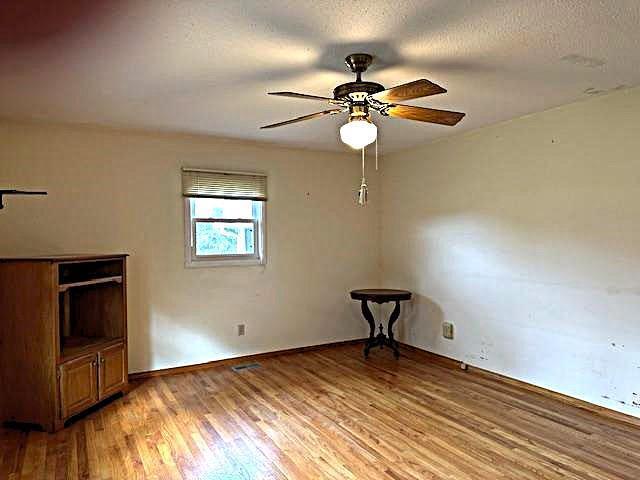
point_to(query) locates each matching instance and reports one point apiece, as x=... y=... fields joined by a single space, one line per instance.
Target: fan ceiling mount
x=360 y=97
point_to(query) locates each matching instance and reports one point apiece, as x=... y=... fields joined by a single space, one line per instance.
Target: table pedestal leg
x=392 y=319
x=372 y=328
x=381 y=339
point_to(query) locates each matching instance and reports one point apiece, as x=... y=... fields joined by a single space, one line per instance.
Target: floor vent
x=245 y=366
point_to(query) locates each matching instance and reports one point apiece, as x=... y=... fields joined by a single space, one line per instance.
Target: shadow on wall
x=421 y=325
x=139 y=310
x=420 y=314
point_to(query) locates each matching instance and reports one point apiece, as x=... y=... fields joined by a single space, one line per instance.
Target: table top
x=381 y=295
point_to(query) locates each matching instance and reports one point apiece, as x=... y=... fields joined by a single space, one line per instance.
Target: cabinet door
x=113 y=376
x=78 y=385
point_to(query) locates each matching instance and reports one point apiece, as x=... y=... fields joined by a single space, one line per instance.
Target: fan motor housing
x=343 y=91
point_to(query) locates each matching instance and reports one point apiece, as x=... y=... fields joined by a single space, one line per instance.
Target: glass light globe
x=358 y=133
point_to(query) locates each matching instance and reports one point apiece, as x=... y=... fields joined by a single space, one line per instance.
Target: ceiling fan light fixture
x=358 y=132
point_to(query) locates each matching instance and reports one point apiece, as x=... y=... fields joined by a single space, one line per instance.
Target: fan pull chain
x=363 y=192
x=376 y=153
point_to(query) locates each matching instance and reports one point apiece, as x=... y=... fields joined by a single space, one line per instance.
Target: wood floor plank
x=330 y=414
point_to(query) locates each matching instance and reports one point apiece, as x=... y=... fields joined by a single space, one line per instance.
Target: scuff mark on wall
x=593 y=91
x=583 y=61
x=484 y=350
x=623 y=291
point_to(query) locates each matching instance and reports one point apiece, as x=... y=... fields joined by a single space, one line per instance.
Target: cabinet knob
x=102 y=360
x=93 y=363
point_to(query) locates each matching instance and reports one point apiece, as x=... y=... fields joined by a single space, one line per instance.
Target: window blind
x=214 y=184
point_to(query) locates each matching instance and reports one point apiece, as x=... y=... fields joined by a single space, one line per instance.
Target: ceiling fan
x=360 y=97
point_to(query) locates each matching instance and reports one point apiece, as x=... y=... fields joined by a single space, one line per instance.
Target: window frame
x=192 y=260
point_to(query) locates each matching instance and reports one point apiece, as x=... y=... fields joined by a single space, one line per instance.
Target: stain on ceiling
x=205 y=66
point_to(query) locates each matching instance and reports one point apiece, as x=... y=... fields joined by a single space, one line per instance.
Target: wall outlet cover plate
x=447 y=330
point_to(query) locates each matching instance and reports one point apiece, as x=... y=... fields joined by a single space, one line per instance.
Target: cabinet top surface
x=64 y=258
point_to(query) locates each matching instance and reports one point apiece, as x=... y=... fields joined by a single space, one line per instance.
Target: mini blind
x=214 y=184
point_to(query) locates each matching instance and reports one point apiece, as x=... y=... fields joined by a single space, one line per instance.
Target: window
x=224 y=218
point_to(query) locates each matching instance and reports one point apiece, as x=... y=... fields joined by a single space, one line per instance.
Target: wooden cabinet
x=78 y=385
x=63 y=336
x=112 y=376
x=91 y=378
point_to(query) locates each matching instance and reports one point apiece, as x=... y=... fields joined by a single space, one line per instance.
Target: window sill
x=225 y=263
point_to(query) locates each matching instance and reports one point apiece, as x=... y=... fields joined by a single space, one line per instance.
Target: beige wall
x=112 y=191
x=526 y=235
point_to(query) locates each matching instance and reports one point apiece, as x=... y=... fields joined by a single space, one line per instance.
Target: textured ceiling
x=205 y=66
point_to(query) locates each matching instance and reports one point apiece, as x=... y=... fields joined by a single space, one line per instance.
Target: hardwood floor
x=328 y=414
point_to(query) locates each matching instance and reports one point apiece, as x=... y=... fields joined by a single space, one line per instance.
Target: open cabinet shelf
x=91 y=307
x=74 y=347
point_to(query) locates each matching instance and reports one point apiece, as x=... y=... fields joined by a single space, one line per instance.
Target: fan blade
x=305 y=96
x=407 y=91
x=333 y=111
x=409 y=112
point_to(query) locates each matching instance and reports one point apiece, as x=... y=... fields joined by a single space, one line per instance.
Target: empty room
x=341 y=239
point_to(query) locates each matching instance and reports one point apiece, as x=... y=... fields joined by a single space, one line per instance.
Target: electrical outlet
x=447 y=330
x=241 y=329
